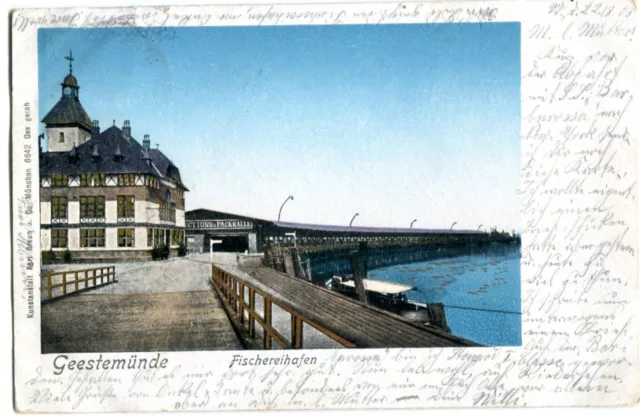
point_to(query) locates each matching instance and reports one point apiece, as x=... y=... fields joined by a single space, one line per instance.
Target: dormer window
x=61 y=139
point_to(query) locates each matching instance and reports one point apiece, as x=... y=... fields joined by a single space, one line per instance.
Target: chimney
x=126 y=129
x=95 y=130
x=146 y=143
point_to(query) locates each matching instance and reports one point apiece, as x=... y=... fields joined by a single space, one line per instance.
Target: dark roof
x=68 y=111
x=207 y=214
x=110 y=152
x=165 y=165
x=370 y=230
x=203 y=214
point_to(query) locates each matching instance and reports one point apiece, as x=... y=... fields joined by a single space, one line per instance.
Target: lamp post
x=479 y=226
x=211 y=243
x=354 y=217
x=290 y=197
x=454 y=223
x=411 y=226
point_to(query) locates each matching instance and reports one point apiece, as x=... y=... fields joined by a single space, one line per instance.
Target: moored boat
x=393 y=298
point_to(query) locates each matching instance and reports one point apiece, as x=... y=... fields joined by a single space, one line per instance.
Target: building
x=104 y=195
x=238 y=233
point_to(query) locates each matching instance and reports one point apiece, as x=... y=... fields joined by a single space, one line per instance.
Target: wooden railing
x=240 y=296
x=57 y=284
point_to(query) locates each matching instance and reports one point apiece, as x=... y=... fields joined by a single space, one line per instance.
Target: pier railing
x=57 y=284
x=240 y=297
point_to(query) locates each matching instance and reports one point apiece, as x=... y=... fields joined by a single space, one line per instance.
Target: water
x=484 y=279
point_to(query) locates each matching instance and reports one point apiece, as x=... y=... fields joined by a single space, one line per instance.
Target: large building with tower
x=103 y=194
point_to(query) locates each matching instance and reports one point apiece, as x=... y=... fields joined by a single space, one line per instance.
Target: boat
x=393 y=298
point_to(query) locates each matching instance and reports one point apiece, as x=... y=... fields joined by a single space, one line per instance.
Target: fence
x=57 y=284
x=241 y=299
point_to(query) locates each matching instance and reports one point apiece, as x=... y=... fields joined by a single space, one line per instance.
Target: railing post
x=296 y=331
x=64 y=283
x=49 y=286
x=101 y=276
x=252 y=307
x=75 y=281
x=267 y=322
x=241 y=303
x=235 y=295
x=86 y=279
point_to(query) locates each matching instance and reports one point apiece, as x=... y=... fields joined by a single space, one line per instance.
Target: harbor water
x=486 y=280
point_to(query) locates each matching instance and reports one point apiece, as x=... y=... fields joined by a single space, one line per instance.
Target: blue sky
x=395 y=122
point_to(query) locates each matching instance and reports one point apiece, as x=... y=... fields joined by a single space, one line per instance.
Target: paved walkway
x=154 y=306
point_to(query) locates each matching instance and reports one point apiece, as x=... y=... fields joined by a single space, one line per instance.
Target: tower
x=67 y=124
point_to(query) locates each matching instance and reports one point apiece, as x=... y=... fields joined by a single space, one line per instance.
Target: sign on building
x=218 y=224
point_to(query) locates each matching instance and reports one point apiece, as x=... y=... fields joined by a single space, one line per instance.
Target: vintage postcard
x=325 y=206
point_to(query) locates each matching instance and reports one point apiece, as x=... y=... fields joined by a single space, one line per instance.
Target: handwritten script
x=579 y=264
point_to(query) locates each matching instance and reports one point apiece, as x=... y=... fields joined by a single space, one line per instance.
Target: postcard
x=325 y=206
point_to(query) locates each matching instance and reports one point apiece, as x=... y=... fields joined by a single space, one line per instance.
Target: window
x=92 y=237
x=98 y=179
x=156 y=237
x=167 y=208
x=58 y=238
x=125 y=237
x=61 y=139
x=91 y=207
x=59 y=207
x=149 y=237
x=95 y=179
x=177 y=236
x=153 y=182
x=126 y=179
x=126 y=206
x=167 y=212
x=59 y=180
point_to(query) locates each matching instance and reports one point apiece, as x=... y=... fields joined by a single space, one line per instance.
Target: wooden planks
x=364 y=325
x=177 y=321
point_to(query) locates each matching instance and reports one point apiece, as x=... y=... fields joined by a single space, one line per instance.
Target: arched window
x=61 y=139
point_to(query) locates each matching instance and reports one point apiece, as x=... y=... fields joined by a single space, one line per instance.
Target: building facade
x=238 y=233
x=234 y=233
x=103 y=195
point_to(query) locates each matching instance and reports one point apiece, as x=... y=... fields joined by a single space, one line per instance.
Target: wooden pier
x=177 y=321
x=250 y=293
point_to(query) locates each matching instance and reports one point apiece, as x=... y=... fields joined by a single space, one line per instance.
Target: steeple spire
x=70 y=59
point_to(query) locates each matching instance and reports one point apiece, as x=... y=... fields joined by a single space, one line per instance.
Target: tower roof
x=70 y=81
x=68 y=111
